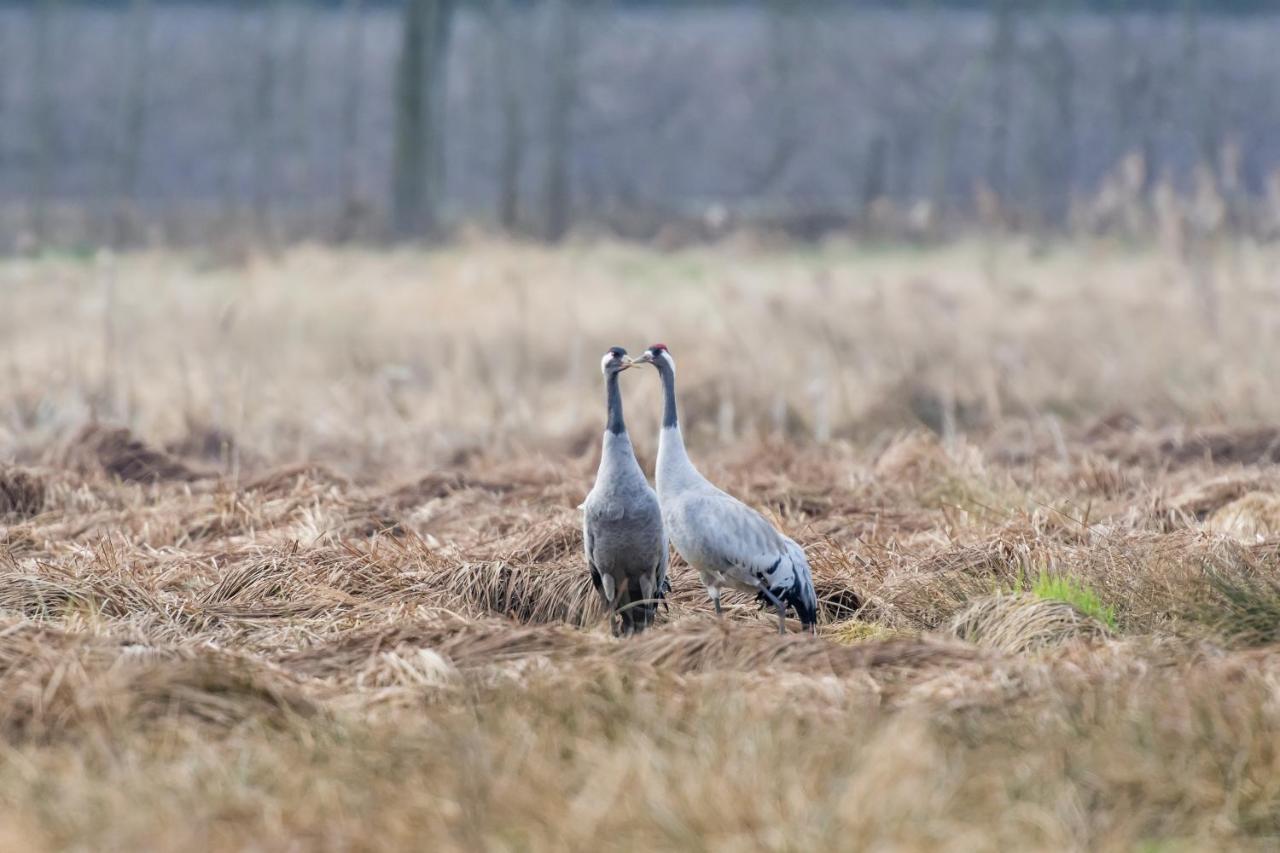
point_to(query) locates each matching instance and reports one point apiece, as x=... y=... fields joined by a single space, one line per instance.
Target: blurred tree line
x=131 y=121
x=1218 y=6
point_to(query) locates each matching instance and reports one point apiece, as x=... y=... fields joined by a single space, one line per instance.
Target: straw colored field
x=313 y=577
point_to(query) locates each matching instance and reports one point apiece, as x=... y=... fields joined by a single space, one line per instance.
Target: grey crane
x=622 y=524
x=730 y=544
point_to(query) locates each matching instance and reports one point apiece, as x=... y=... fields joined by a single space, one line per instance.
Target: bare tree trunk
x=512 y=118
x=133 y=133
x=1053 y=154
x=873 y=186
x=409 y=181
x=1000 y=60
x=298 y=165
x=1139 y=99
x=437 y=95
x=349 y=176
x=942 y=156
x=45 y=123
x=564 y=71
x=418 y=171
x=236 y=80
x=943 y=131
x=784 y=34
x=1207 y=130
x=264 y=121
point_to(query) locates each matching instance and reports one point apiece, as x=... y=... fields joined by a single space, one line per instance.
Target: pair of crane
x=626 y=525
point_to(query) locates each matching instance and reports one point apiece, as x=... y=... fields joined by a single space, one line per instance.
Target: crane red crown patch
x=659 y=347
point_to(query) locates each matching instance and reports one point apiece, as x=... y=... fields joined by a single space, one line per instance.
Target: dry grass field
x=290 y=556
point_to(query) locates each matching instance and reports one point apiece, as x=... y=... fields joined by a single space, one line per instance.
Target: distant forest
x=1163 y=6
x=142 y=121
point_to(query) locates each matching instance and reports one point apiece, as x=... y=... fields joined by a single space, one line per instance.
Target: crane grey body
x=730 y=544
x=622 y=531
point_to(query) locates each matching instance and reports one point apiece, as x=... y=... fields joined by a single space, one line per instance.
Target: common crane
x=729 y=543
x=622 y=524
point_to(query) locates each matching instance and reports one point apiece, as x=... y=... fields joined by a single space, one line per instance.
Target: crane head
x=655 y=354
x=615 y=360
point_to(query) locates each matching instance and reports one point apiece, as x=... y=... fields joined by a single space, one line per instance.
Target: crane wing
x=739 y=538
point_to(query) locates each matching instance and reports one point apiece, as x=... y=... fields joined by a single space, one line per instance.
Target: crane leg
x=715 y=597
x=782 y=609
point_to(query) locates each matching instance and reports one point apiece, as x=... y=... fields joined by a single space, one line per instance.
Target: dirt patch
x=119 y=453
x=291 y=478
x=22 y=493
x=1180 y=447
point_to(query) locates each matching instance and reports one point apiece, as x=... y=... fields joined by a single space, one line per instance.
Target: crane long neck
x=674 y=472
x=669 y=417
x=617 y=458
x=613 y=399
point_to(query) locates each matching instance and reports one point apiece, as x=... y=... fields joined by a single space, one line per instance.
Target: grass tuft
x=1244 y=605
x=1064 y=588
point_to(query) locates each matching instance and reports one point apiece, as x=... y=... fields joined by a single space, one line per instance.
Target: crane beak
x=647 y=358
x=627 y=361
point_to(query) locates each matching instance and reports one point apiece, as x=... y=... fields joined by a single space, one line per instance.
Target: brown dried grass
x=372 y=626
x=1019 y=624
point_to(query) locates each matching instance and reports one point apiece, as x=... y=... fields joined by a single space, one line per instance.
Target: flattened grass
x=326 y=589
